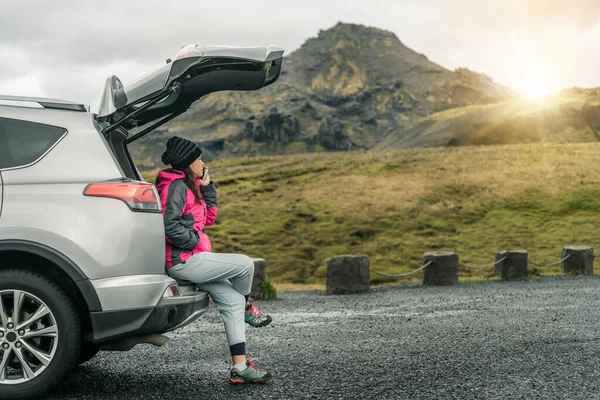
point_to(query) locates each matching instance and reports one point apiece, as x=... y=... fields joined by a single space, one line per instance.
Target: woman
x=189 y=204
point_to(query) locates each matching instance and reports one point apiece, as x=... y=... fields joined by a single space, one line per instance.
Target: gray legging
x=211 y=273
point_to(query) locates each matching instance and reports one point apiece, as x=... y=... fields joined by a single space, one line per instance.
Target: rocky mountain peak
x=349 y=87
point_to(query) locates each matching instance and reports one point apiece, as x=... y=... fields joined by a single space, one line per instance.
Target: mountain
x=351 y=87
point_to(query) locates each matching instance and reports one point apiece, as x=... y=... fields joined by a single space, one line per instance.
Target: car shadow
x=89 y=381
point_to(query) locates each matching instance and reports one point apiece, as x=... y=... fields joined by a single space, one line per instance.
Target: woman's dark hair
x=190 y=182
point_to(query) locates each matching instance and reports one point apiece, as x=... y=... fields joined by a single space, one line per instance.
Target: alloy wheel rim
x=28 y=336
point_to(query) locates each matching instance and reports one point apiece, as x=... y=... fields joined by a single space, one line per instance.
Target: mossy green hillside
x=298 y=211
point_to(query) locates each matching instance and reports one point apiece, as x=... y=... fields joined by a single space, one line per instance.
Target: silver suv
x=81 y=235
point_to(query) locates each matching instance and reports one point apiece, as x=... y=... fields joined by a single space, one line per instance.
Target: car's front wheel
x=40 y=334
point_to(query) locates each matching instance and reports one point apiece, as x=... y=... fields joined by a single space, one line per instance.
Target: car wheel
x=88 y=351
x=40 y=334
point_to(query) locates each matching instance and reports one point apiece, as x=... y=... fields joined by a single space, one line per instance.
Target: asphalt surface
x=484 y=340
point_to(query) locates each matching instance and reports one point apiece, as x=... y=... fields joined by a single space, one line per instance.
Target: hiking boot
x=255 y=318
x=252 y=374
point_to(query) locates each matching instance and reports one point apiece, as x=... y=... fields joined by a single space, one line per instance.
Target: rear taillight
x=139 y=196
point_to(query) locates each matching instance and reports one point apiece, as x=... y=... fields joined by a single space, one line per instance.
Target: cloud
x=67 y=49
x=518 y=15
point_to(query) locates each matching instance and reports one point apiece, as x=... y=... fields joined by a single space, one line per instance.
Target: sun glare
x=534 y=86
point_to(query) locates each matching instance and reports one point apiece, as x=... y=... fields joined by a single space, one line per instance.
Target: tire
x=88 y=351
x=58 y=342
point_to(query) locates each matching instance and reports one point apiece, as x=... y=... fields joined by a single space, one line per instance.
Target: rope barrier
x=482 y=266
x=405 y=274
x=465 y=266
x=551 y=264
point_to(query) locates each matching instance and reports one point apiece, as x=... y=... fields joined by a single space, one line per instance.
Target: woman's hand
x=206 y=180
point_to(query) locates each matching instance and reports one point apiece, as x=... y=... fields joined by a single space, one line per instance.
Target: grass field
x=298 y=211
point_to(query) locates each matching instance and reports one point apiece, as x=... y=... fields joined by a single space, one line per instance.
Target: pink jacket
x=184 y=217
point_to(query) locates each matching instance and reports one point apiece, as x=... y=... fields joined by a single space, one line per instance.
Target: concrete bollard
x=260 y=274
x=580 y=261
x=443 y=269
x=514 y=265
x=348 y=274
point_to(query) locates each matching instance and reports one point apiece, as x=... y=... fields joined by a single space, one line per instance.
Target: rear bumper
x=168 y=313
x=131 y=291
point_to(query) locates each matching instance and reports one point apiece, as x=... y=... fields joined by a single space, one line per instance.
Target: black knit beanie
x=180 y=153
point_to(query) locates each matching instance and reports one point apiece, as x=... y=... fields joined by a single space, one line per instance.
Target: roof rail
x=47 y=103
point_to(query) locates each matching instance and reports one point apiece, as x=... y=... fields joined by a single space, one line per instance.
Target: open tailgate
x=196 y=71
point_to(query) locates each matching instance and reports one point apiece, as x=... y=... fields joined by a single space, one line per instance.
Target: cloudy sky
x=67 y=48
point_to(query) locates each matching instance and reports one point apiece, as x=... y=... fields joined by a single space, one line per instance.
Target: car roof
x=57 y=104
x=63 y=118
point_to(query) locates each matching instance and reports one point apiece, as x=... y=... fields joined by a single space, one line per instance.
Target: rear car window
x=23 y=143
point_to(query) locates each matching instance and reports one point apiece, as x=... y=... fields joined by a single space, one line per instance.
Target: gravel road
x=485 y=340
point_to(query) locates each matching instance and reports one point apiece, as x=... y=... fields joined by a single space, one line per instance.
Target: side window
x=23 y=142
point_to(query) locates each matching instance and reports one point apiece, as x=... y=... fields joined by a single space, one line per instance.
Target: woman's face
x=197 y=167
